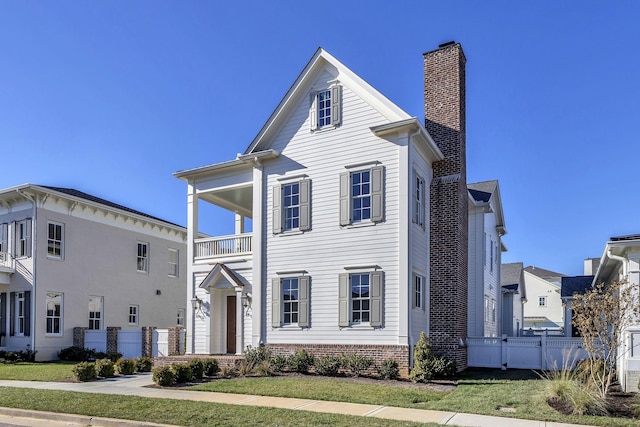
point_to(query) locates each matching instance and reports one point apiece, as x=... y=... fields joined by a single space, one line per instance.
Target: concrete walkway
x=135 y=386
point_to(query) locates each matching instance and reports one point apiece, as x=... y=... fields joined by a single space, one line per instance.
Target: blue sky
x=112 y=97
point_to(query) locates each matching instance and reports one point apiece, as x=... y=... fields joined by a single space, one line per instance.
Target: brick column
x=174 y=340
x=445 y=116
x=78 y=336
x=112 y=338
x=147 y=341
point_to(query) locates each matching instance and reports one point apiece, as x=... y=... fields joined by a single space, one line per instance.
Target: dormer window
x=326 y=108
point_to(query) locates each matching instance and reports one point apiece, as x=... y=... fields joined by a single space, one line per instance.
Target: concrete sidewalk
x=134 y=385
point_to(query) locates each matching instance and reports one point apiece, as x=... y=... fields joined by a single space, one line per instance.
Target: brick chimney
x=445 y=114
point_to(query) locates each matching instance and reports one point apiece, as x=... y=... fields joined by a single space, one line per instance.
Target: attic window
x=325 y=108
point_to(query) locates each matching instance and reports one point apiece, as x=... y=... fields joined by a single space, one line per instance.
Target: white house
x=341 y=186
x=486 y=228
x=543 y=309
x=514 y=296
x=621 y=261
x=69 y=259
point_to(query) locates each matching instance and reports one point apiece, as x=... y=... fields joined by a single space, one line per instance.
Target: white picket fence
x=534 y=352
x=130 y=342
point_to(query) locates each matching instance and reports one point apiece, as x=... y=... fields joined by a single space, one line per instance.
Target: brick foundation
x=78 y=336
x=112 y=339
x=147 y=340
x=379 y=353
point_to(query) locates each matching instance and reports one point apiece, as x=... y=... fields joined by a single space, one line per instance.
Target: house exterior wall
x=536 y=288
x=477 y=265
x=325 y=250
x=99 y=259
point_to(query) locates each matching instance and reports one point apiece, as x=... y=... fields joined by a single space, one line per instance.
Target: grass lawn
x=479 y=392
x=28 y=371
x=178 y=412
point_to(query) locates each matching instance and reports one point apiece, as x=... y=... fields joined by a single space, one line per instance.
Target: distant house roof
x=626 y=238
x=510 y=274
x=575 y=285
x=91 y=198
x=482 y=191
x=542 y=273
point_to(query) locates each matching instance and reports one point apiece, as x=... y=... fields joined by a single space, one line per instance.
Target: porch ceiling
x=238 y=200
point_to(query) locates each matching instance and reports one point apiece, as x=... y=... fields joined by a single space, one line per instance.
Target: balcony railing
x=225 y=246
x=6 y=260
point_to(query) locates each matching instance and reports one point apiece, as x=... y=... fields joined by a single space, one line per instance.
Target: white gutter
x=618 y=258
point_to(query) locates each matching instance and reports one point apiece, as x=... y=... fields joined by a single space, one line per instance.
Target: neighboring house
x=69 y=259
x=621 y=261
x=359 y=223
x=572 y=285
x=486 y=228
x=543 y=309
x=514 y=296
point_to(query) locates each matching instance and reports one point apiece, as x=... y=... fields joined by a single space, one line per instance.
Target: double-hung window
x=419 y=291
x=326 y=108
x=292 y=206
x=54 y=313
x=55 y=240
x=133 y=314
x=23 y=238
x=418 y=200
x=362 y=196
x=290 y=301
x=95 y=312
x=180 y=317
x=173 y=262
x=491 y=258
x=360 y=298
x=542 y=301
x=4 y=229
x=142 y=260
x=20 y=313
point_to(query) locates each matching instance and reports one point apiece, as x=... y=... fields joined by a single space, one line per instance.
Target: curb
x=77 y=419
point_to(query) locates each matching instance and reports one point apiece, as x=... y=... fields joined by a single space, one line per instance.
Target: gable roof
x=487 y=193
x=575 y=285
x=542 y=273
x=218 y=271
x=482 y=191
x=301 y=86
x=510 y=273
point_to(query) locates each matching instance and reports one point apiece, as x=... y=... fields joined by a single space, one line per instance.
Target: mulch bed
x=619 y=404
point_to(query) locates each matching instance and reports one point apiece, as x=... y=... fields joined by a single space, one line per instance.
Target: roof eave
x=420 y=134
x=241 y=161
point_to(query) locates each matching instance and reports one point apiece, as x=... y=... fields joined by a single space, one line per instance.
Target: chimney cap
x=447 y=44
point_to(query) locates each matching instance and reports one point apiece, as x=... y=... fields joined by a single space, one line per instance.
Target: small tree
x=602 y=314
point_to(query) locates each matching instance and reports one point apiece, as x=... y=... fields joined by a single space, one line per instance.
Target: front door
x=231 y=324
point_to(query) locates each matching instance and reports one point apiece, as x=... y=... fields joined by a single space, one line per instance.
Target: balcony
x=7 y=268
x=236 y=245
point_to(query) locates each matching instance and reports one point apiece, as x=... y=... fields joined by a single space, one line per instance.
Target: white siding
x=325 y=250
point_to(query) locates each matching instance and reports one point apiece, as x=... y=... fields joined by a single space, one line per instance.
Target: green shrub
x=356 y=363
x=144 y=364
x=197 y=368
x=427 y=365
x=182 y=372
x=105 y=368
x=388 y=370
x=76 y=354
x=126 y=366
x=164 y=376
x=327 y=365
x=300 y=362
x=18 y=356
x=255 y=356
x=227 y=372
x=278 y=363
x=84 y=371
x=211 y=367
x=264 y=369
x=112 y=355
x=245 y=367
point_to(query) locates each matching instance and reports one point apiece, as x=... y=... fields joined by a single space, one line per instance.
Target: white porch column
x=239 y=321
x=239 y=223
x=258 y=253
x=192 y=233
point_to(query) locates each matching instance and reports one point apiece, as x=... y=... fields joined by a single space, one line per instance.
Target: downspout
x=33 y=267
x=621 y=259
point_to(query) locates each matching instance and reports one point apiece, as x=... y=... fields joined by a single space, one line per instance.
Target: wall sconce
x=196 y=303
x=246 y=300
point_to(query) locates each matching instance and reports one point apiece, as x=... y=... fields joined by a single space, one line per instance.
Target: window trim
x=50 y=239
x=135 y=314
x=335 y=109
x=23 y=252
x=542 y=301
x=376 y=194
x=50 y=296
x=4 y=237
x=99 y=319
x=180 y=317
x=277 y=302
x=376 y=300
x=419 y=200
x=144 y=257
x=304 y=207
x=418 y=295
x=173 y=265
